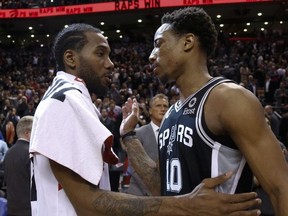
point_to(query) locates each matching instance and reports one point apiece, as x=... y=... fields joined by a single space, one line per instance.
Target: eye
x=157 y=43
x=100 y=53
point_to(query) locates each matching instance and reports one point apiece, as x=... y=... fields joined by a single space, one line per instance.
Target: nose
x=109 y=64
x=152 y=56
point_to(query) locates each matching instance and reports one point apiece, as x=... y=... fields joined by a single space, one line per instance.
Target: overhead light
x=262 y=29
x=248 y=24
x=139 y=20
x=281 y=22
x=47 y=35
x=221 y=25
x=32 y=36
x=265 y=23
x=259 y=14
x=218 y=16
x=66 y=26
x=102 y=23
x=245 y=30
x=8 y=36
x=118 y=31
x=30 y=28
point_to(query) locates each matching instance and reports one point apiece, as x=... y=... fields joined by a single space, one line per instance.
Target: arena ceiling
x=234 y=19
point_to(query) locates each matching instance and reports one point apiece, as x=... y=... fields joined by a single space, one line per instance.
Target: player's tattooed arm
x=145 y=167
x=124 y=204
x=89 y=200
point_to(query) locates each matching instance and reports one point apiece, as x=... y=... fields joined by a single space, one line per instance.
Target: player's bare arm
x=88 y=200
x=241 y=115
x=145 y=167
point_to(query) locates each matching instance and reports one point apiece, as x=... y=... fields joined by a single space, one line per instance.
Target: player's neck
x=193 y=84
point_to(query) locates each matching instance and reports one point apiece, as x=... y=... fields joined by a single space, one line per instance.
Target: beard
x=92 y=80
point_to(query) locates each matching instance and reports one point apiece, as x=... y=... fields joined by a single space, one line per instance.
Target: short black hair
x=194 y=20
x=73 y=37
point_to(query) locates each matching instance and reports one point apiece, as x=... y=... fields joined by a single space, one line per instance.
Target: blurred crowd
x=258 y=64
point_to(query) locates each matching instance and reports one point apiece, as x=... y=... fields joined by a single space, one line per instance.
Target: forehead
x=157 y=101
x=96 y=40
x=161 y=30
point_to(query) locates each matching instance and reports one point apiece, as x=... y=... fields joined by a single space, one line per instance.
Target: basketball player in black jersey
x=215 y=127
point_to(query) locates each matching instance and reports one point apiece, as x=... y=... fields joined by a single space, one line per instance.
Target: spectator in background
x=99 y=104
x=17 y=170
x=114 y=172
x=114 y=94
x=2 y=136
x=148 y=136
x=281 y=97
x=252 y=85
x=268 y=89
x=274 y=119
x=31 y=109
x=244 y=71
x=108 y=122
x=114 y=110
x=9 y=125
x=23 y=106
x=283 y=128
x=125 y=90
x=3 y=149
x=6 y=107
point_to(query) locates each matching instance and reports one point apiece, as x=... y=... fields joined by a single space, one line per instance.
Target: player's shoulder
x=233 y=95
x=231 y=89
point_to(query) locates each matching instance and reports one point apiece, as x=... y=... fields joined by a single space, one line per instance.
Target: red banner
x=117 y=5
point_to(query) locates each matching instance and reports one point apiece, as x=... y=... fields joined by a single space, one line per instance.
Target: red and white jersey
x=66 y=129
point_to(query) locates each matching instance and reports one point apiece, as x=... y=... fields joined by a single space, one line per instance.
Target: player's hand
x=130 y=112
x=208 y=202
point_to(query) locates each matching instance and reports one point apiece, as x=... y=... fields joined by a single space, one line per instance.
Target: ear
x=189 y=41
x=150 y=111
x=69 y=58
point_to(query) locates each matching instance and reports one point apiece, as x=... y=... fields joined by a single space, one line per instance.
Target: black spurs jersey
x=189 y=152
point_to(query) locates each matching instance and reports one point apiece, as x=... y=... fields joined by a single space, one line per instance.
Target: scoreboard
x=117 y=5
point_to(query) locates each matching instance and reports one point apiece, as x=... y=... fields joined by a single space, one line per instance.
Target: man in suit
x=17 y=170
x=273 y=118
x=148 y=135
